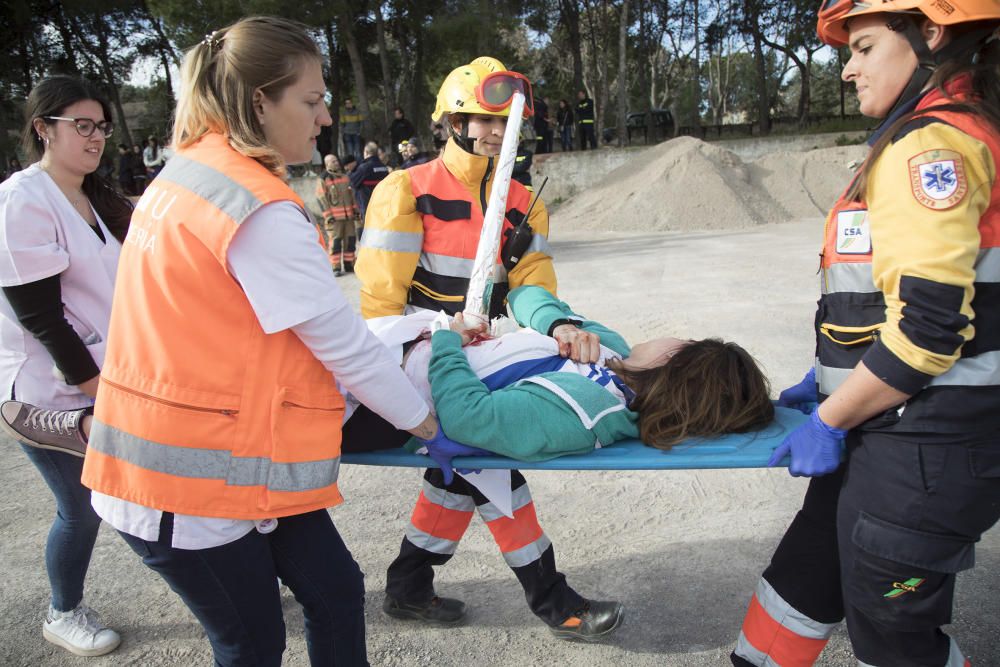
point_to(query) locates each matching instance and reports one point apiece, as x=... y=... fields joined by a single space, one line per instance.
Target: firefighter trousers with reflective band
x=439 y=520
x=880 y=543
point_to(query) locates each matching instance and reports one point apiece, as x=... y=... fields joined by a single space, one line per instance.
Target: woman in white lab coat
x=61 y=228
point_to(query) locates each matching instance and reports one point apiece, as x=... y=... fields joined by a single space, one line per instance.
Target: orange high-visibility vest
x=452 y=225
x=200 y=411
x=852 y=312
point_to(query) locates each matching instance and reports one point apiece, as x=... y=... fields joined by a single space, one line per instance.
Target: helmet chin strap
x=962 y=46
x=462 y=138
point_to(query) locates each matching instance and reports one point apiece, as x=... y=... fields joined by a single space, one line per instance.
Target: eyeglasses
x=496 y=91
x=86 y=126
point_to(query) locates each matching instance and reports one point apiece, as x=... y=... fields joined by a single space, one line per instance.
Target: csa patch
x=937 y=178
x=853 y=233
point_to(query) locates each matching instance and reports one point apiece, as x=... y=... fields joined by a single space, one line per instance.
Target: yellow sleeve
x=390 y=247
x=535 y=268
x=927 y=193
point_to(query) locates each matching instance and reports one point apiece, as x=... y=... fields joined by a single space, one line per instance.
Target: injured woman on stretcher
x=515 y=395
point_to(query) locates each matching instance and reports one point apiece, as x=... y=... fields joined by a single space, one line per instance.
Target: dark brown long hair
x=708 y=388
x=50 y=97
x=984 y=101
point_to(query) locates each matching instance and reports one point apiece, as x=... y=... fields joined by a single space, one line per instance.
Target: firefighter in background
x=585 y=120
x=340 y=212
x=422 y=231
x=908 y=352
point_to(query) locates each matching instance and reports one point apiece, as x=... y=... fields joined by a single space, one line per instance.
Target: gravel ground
x=681 y=549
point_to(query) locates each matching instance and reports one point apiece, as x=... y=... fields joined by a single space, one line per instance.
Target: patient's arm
x=517 y=421
x=536 y=308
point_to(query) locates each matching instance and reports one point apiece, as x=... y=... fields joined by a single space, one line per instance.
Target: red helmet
x=834 y=13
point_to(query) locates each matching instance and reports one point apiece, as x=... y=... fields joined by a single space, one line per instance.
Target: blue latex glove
x=815 y=447
x=443 y=449
x=802 y=396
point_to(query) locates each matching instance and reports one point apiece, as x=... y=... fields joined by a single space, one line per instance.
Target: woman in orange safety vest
x=215 y=443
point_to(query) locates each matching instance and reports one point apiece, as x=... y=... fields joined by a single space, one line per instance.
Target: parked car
x=663 y=123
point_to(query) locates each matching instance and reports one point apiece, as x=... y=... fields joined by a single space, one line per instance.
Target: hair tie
x=211 y=41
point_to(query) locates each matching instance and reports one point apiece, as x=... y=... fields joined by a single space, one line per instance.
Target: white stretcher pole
x=477 y=300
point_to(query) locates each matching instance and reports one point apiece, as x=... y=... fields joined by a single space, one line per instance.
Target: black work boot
x=436 y=611
x=594 y=622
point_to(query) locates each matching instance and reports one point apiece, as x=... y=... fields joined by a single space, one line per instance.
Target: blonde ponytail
x=220 y=75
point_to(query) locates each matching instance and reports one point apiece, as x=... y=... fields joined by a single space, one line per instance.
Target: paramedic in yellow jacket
x=907 y=364
x=421 y=233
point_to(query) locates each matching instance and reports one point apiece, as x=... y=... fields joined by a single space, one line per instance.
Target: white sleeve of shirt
x=288 y=280
x=29 y=239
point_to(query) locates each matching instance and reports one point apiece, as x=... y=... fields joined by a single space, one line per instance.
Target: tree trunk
x=66 y=38
x=333 y=85
x=351 y=44
x=569 y=13
x=101 y=52
x=763 y=96
x=622 y=87
x=696 y=79
x=383 y=56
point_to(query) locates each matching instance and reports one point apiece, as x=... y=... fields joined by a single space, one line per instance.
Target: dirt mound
x=686 y=184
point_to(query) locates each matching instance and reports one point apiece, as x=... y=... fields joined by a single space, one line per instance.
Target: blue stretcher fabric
x=737 y=450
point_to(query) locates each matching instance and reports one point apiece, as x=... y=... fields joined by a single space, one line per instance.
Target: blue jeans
x=566 y=137
x=74 y=530
x=352 y=145
x=233 y=590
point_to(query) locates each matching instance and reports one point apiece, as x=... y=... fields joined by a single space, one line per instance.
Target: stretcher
x=737 y=450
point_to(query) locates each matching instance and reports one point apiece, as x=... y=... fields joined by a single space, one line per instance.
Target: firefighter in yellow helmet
x=907 y=367
x=421 y=232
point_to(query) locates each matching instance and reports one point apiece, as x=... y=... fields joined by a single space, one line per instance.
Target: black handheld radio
x=519 y=238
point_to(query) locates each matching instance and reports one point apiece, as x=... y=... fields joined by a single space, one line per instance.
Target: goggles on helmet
x=496 y=91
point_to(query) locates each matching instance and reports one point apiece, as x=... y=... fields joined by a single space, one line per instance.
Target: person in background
x=522 y=165
x=564 y=120
x=351 y=120
x=340 y=213
x=61 y=232
x=13 y=166
x=400 y=130
x=585 y=120
x=139 y=174
x=153 y=157
x=369 y=173
x=126 y=173
x=907 y=353
x=413 y=155
x=543 y=126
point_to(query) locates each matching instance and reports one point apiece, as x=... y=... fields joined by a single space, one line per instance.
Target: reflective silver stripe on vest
x=428 y=542
x=748 y=652
x=448 y=500
x=539 y=244
x=788 y=616
x=210 y=184
x=213 y=463
x=529 y=553
x=456 y=267
x=520 y=497
x=848 y=278
x=982 y=370
x=829 y=378
x=384 y=239
x=988 y=266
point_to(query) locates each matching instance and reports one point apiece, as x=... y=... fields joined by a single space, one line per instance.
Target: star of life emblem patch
x=937 y=178
x=853 y=232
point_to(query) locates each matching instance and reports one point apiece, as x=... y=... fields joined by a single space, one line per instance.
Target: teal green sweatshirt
x=538 y=418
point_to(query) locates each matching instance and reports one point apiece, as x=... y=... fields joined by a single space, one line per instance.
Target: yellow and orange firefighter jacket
x=422 y=231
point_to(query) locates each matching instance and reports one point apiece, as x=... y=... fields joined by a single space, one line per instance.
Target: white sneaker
x=80 y=631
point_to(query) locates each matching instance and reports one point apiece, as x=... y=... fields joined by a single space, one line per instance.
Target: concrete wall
x=305 y=187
